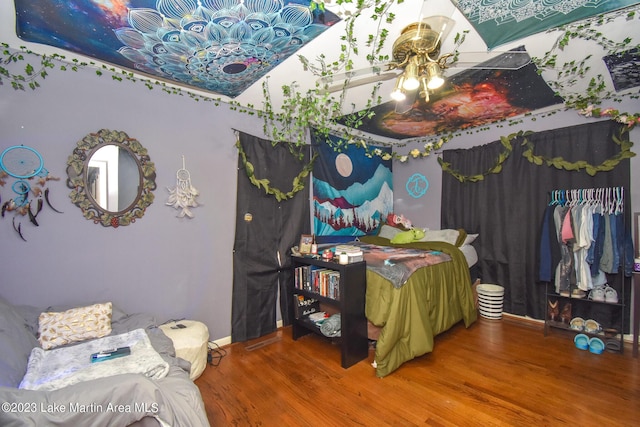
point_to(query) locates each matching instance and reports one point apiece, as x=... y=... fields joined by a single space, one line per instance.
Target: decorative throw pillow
x=446 y=235
x=388 y=232
x=74 y=325
x=413 y=235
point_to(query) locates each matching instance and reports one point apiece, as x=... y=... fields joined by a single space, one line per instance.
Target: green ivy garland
x=560 y=163
x=298 y=181
x=496 y=168
x=557 y=162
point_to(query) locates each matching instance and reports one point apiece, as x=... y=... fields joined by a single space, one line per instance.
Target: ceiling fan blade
x=362 y=81
x=406 y=104
x=505 y=60
x=354 y=78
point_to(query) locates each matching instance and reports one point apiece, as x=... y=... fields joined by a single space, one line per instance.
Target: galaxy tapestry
x=474 y=97
x=624 y=69
x=502 y=21
x=219 y=46
x=352 y=193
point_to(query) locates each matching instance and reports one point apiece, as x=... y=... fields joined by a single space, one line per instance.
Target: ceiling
x=241 y=80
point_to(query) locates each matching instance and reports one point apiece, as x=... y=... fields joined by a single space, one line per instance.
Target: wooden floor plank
x=495 y=373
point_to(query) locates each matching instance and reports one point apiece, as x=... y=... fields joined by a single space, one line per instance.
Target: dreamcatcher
x=184 y=195
x=25 y=165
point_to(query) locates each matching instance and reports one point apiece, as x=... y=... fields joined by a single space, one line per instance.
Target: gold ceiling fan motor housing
x=416 y=39
x=416 y=51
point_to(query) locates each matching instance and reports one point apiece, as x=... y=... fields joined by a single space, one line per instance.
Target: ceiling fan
x=418 y=66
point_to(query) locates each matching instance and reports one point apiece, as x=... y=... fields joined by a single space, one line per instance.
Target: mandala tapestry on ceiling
x=220 y=46
x=351 y=191
x=502 y=21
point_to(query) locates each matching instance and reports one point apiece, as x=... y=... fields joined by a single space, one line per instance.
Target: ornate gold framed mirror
x=112 y=178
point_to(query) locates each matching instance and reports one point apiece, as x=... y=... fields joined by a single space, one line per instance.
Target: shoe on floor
x=613 y=346
x=592 y=327
x=610 y=295
x=565 y=314
x=581 y=341
x=578 y=293
x=596 y=346
x=597 y=294
x=577 y=324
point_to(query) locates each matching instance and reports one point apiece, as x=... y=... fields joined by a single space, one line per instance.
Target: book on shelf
x=323 y=281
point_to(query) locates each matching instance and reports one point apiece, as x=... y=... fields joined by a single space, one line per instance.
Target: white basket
x=487 y=289
x=492 y=316
x=490 y=300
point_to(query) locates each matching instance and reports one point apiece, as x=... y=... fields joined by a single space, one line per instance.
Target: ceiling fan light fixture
x=398 y=92
x=424 y=88
x=411 y=81
x=435 y=79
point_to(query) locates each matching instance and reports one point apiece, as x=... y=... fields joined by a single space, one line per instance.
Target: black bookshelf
x=349 y=301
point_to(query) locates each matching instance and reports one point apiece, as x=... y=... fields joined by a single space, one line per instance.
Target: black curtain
x=507 y=208
x=266 y=229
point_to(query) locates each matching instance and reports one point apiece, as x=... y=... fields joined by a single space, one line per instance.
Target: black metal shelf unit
x=349 y=302
x=610 y=316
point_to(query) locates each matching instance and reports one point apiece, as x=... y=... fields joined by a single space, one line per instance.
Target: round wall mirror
x=112 y=178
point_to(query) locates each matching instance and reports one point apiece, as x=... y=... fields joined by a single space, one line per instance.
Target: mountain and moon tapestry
x=352 y=193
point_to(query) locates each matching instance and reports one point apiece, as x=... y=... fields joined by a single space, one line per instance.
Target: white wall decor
x=183 y=196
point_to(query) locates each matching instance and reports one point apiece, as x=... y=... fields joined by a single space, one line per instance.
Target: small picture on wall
x=305 y=243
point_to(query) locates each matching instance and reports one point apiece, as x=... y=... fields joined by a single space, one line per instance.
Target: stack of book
x=354 y=253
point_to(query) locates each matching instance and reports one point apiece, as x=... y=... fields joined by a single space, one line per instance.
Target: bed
x=404 y=320
x=161 y=395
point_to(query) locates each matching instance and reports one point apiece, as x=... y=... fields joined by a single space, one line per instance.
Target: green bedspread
x=433 y=300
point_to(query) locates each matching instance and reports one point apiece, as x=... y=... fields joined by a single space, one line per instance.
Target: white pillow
x=388 y=232
x=74 y=325
x=447 y=235
x=470 y=239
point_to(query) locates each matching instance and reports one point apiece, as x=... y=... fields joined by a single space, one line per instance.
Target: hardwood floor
x=495 y=373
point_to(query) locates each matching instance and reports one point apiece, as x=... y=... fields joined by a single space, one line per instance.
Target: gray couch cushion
x=16 y=342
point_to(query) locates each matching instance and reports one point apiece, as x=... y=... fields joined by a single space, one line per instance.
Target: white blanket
x=63 y=366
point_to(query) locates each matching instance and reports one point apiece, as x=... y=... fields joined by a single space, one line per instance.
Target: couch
x=122 y=399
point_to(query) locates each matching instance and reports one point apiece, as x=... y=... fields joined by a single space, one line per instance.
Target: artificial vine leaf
x=561 y=163
x=297 y=184
x=557 y=162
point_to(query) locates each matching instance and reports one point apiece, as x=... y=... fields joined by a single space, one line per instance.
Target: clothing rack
x=610 y=199
x=586 y=287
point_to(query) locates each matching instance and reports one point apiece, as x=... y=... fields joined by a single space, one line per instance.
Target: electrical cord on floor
x=215 y=354
x=173 y=320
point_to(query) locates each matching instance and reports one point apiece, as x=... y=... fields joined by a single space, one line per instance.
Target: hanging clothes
x=565 y=276
x=549 y=254
x=588 y=225
x=583 y=238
